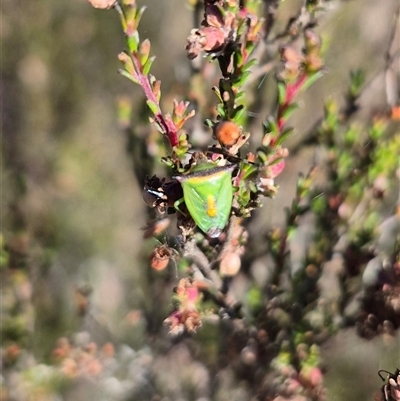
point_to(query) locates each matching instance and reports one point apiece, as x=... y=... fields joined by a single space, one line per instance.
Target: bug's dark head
x=152 y=191
x=158 y=192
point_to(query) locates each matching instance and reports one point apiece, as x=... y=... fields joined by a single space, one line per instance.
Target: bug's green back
x=208 y=196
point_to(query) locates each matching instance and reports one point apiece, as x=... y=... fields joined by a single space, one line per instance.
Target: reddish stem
x=291 y=91
x=168 y=126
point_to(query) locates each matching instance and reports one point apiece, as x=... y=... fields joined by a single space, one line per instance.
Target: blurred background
x=71 y=204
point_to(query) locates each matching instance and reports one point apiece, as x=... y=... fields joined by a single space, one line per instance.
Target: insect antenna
x=385 y=371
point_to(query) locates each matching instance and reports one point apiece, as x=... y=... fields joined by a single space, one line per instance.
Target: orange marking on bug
x=211 y=208
x=199 y=179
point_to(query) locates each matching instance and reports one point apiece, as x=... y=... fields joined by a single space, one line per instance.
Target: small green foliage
x=254 y=300
x=385 y=158
x=153 y=106
x=357 y=79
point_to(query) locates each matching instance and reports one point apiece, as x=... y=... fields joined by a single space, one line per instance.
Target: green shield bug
x=208 y=193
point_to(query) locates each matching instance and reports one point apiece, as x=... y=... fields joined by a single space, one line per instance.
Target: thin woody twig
x=201 y=262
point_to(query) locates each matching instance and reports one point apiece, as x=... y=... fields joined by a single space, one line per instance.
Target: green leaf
x=271 y=126
x=248 y=170
x=236 y=110
x=153 y=106
x=289 y=110
x=312 y=78
x=239 y=95
x=281 y=92
x=240 y=113
x=276 y=161
x=238 y=58
x=139 y=15
x=357 y=79
x=262 y=156
x=209 y=123
x=319 y=204
x=243 y=77
x=284 y=135
x=148 y=64
x=133 y=42
x=130 y=20
x=221 y=110
x=250 y=64
x=254 y=300
x=351 y=136
x=144 y=51
x=159 y=128
x=127 y=75
x=215 y=89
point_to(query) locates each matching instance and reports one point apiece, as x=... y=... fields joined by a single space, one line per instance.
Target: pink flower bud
x=102 y=4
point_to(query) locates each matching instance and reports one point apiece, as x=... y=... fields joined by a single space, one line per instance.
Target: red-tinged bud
x=267 y=138
x=11 y=353
x=248 y=356
x=62 y=350
x=187 y=292
x=312 y=271
x=311 y=376
x=230 y=264
x=145 y=47
x=108 y=350
x=395 y=115
x=251 y=157
x=134 y=317
x=334 y=202
x=69 y=368
x=180 y=108
x=312 y=41
x=102 y=4
x=276 y=168
x=313 y=63
x=127 y=62
x=293 y=62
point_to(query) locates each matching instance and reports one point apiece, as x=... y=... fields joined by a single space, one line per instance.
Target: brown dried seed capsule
x=159 y=258
x=227 y=132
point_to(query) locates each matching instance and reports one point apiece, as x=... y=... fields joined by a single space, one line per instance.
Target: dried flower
x=160 y=257
x=292 y=63
x=208 y=39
